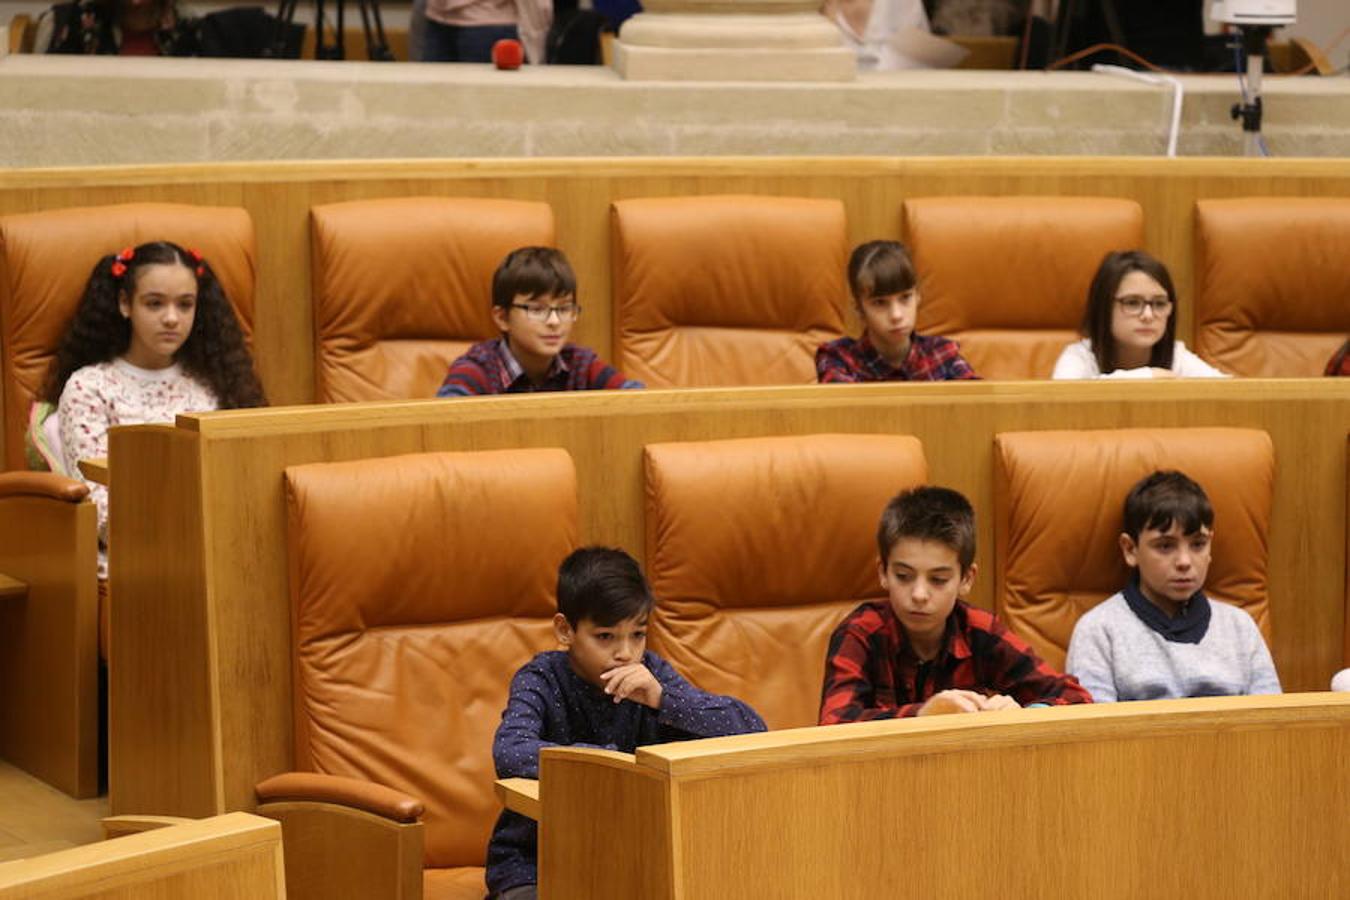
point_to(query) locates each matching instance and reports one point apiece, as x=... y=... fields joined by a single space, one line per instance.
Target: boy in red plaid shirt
x=886 y=295
x=923 y=650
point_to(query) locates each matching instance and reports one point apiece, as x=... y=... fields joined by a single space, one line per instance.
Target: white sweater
x=1077 y=361
x=112 y=393
x=1116 y=656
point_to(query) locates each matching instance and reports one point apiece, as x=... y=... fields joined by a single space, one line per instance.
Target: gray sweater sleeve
x=1090 y=659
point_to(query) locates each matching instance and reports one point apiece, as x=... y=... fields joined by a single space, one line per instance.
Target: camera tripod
x=377 y=46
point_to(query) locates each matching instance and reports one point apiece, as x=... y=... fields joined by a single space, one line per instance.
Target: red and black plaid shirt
x=1340 y=363
x=849 y=360
x=871 y=671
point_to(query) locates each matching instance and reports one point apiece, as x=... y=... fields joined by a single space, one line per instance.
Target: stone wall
x=58 y=111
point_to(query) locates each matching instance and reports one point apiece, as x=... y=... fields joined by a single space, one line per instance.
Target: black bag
x=574 y=38
x=247 y=32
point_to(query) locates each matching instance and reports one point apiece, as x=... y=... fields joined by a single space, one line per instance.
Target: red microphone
x=508 y=54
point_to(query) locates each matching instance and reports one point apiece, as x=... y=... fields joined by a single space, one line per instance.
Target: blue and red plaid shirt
x=871 y=671
x=850 y=360
x=489 y=367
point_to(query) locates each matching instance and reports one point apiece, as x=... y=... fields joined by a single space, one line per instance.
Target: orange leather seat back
x=726 y=290
x=1008 y=277
x=45 y=262
x=1272 y=283
x=419 y=585
x=757 y=548
x=1058 y=497
x=403 y=286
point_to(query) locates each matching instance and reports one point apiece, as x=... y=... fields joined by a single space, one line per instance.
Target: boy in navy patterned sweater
x=604 y=689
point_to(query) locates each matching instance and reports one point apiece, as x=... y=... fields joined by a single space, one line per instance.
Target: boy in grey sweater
x=1161 y=636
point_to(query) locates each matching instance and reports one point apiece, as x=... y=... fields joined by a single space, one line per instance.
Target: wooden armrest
x=364 y=795
x=42 y=484
x=12 y=587
x=121 y=826
x=520 y=795
x=96 y=470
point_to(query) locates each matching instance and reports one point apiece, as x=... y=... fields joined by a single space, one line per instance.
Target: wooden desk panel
x=1208 y=798
x=232 y=857
x=231 y=564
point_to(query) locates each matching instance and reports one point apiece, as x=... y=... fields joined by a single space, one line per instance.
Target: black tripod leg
x=377 y=46
x=285 y=16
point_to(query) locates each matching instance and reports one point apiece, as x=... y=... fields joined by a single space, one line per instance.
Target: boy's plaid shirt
x=489 y=367
x=872 y=673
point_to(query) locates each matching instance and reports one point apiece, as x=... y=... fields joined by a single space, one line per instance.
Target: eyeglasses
x=539 y=312
x=1135 y=306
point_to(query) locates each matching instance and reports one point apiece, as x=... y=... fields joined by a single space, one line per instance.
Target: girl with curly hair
x=154 y=336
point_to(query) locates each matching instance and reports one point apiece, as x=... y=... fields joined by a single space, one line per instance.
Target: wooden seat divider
x=201 y=697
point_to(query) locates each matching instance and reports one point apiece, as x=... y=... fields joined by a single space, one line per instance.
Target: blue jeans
x=463 y=43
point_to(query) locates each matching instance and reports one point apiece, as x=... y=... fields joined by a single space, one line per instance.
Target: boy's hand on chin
x=952 y=701
x=633 y=682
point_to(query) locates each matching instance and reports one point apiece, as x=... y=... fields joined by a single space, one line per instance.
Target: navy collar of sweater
x=1188 y=627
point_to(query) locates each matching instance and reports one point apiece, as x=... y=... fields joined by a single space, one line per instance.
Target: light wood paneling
x=160 y=623
x=1118 y=800
x=637 y=809
x=49 y=641
x=231 y=857
x=338 y=851
x=279 y=195
x=223 y=714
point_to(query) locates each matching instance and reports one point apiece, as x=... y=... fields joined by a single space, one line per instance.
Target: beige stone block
x=762 y=140
x=77 y=93
x=1076 y=142
x=638 y=63
x=39 y=138
x=571 y=138
x=1104 y=104
x=315 y=138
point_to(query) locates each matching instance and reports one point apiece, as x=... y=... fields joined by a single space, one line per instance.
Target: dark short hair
x=1101 y=305
x=534 y=272
x=604 y=585
x=1166 y=496
x=929 y=514
x=880 y=268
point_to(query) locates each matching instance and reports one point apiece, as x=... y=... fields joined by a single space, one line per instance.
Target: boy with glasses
x=534 y=305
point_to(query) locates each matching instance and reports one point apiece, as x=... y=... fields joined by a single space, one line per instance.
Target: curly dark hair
x=214 y=352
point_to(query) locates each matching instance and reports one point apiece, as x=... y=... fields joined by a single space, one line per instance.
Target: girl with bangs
x=886 y=295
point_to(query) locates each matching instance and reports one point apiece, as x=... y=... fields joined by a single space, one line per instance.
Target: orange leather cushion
x=726 y=291
x=757 y=548
x=1058 y=497
x=453 y=884
x=403 y=286
x=1008 y=277
x=1272 y=283
x=45 y=261
x=419 y=584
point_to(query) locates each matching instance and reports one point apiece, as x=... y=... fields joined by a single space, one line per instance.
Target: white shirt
x=105 y=394
x=1077 y=361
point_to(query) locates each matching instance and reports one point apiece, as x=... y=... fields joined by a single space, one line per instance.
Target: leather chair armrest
x=313 y=787
x=345 y=837
x=42 y=484
x=121 y=826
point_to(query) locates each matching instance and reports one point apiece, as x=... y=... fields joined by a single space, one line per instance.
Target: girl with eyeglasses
x=1130 y=326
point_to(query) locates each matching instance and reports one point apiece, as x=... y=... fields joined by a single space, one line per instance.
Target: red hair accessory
x=197 y=257
x=119 y=266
